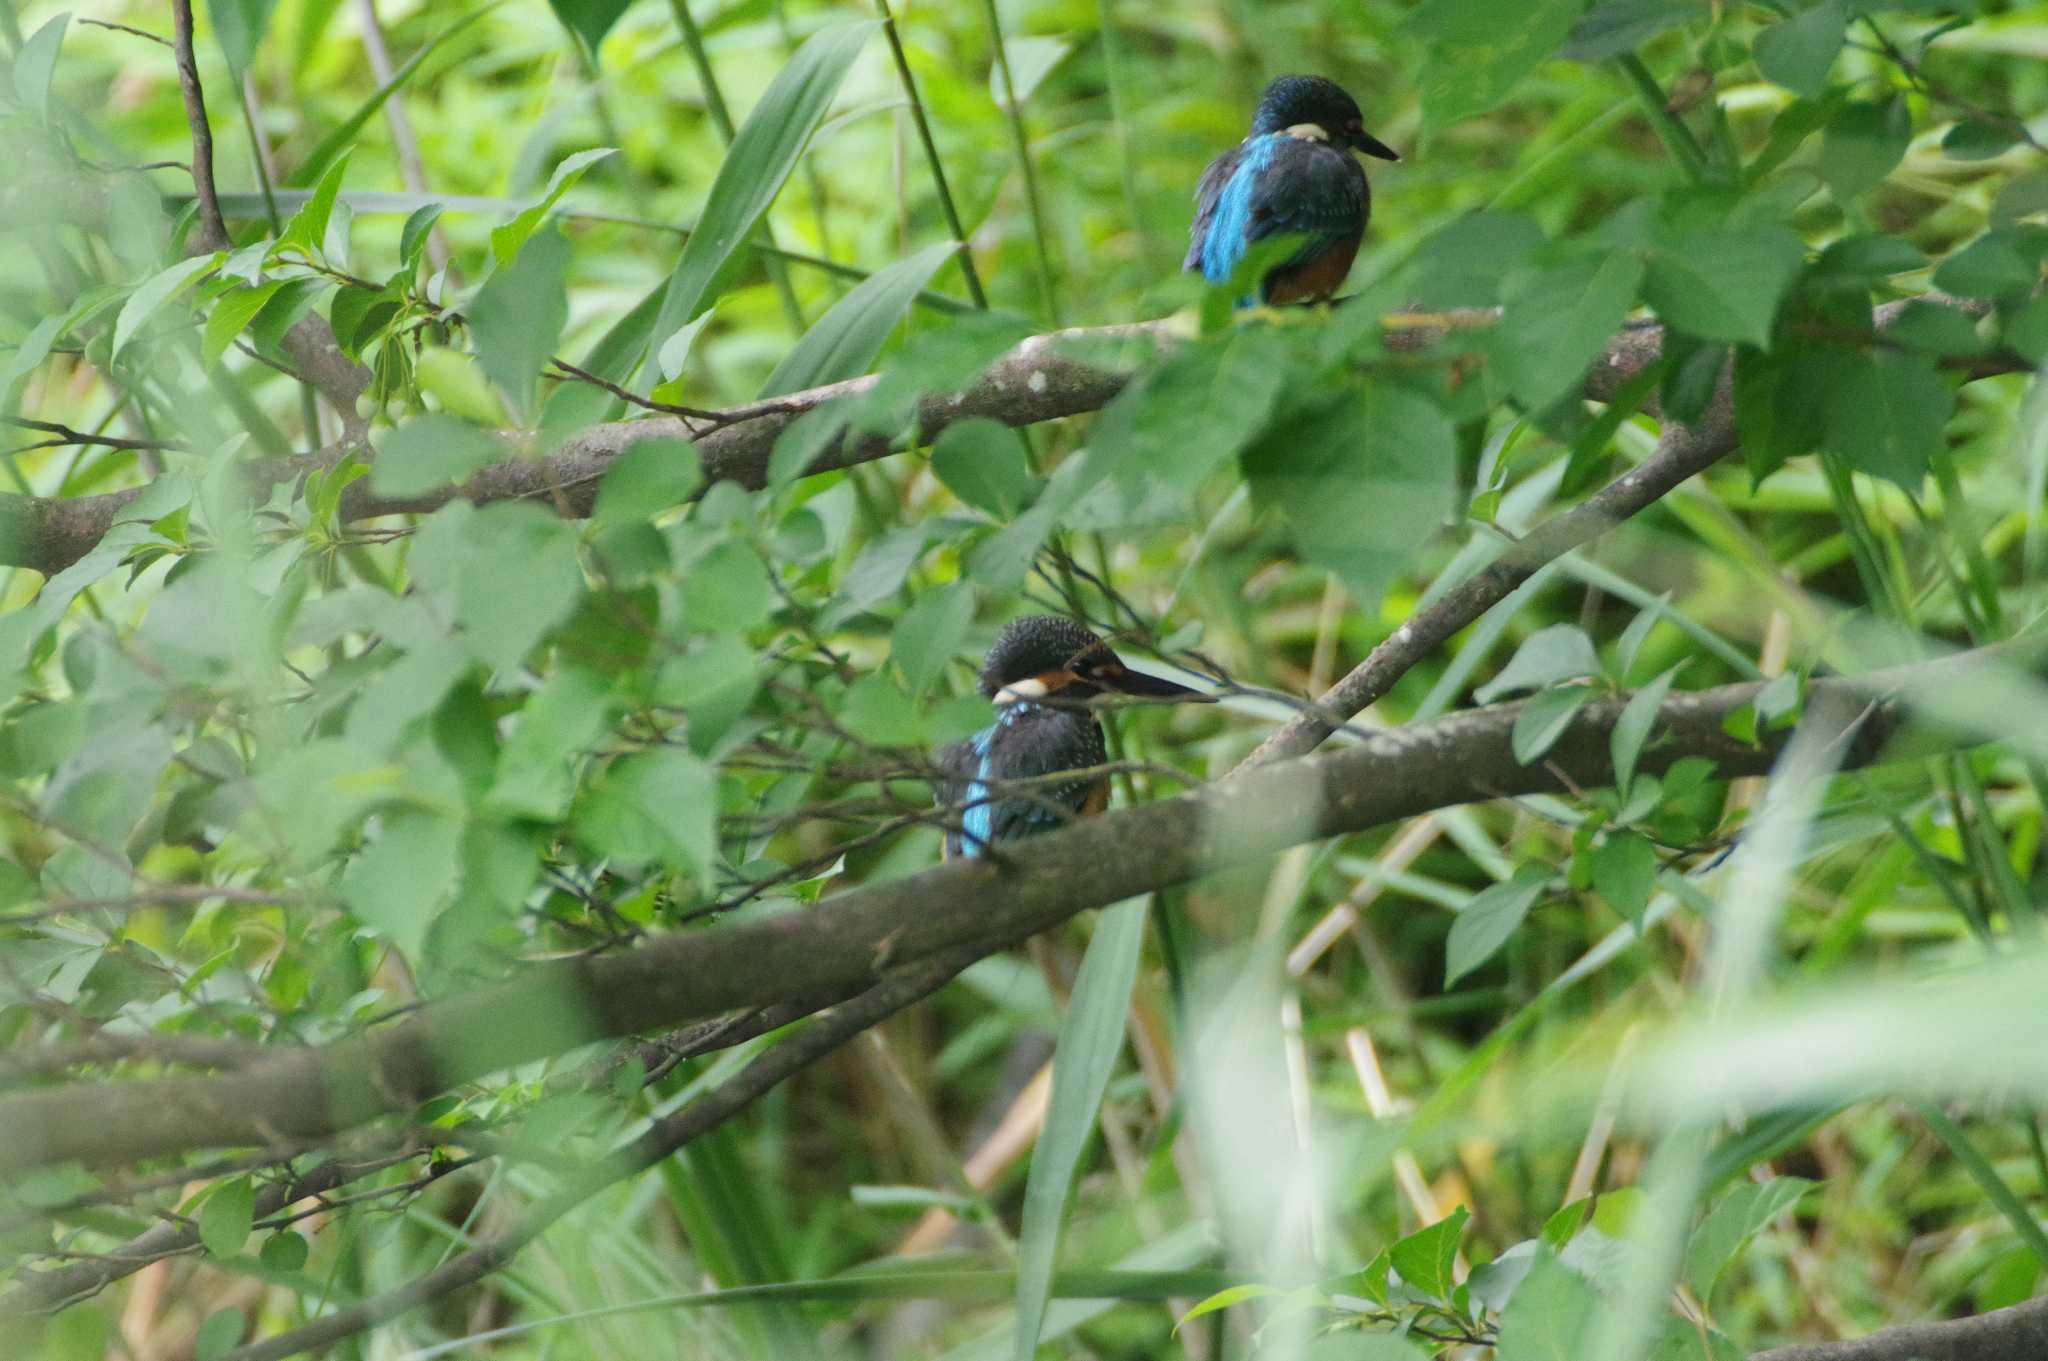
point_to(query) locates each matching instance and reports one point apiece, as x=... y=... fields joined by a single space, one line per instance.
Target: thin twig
x=213 y=231
x=69 y=436
x=965 y=255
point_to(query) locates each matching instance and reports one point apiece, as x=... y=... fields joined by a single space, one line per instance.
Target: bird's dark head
x=1310 y=106
x=1042 y=654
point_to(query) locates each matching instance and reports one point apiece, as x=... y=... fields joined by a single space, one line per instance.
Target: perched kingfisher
x=1040 y=673
x=1294 y=175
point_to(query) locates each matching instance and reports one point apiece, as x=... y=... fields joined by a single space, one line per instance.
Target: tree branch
x=2016 y=1333
x=213 y=232
x=857 y=937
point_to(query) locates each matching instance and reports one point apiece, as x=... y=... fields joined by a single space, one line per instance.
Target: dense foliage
x=452 y=557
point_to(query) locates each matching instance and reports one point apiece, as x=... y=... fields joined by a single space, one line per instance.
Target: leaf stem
x=1986 y=1176
x=931 y=155
x=1676 y=137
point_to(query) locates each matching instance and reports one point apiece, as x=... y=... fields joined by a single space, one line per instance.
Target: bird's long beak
x=1373 y=146
x=1138 y=685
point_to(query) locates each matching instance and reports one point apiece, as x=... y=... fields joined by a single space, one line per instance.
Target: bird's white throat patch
x=1309 y=132
x=1023 y=691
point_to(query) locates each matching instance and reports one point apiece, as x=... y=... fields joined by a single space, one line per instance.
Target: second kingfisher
x=1294 y=175
x=1040 y=672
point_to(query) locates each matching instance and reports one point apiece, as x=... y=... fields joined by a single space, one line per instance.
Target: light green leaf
x=238 y=25
x=506 y=240
x=1549 y=655
x=671 y=354
x=1484 y=924
x=343 y=135
x=517 y=316
x=431 y=451
x=1634 y=725
x=844 y=342
x=536 y=766
x=761 y=156
x=1547 y=1318
x=654 y=807
x=307 y=230
x=982 y=462
x=929 y=634
x=1724 y=285
x=728 y=590
x=465 y=557
x=1544 y=718
x=226 y=1216
x=1480 y=49
x=218 y=1335
x=35 y=62
x=1223 y=1299
x=1424 y=1258
x=154 y=292
x=1625 y=872
x=1798 y=52
x=1740 y=1216
x=399 y=882
x=412 y=237
x=1032 y=58
x=1090 y=1039
x=231 y=314
x=1556 y=319
x=33 y=350
x=651 y=476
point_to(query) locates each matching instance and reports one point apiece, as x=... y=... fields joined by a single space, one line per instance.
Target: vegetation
x=505 y=499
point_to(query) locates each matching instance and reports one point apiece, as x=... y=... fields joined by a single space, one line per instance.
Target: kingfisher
x=1293 y=175
x=1041 y=673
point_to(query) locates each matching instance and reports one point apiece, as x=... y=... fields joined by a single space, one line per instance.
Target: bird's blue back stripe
x=1224 y=245
x=977 y=824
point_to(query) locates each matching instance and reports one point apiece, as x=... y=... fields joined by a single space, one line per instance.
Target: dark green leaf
x=1868 y=257
x=1484 y=924
x=1480 y=49
x=1864 y=143
x=1633 y=728
x=1549 y=655
x=1724 y=285
x=231 y=314
x=218 y=1335
x=659 y=806
x=1995 y=265
x=307 y=230
x=1182 y=417
x=1543 y=719
x=1975 y=139
x=930 y=633
x=1464 y=263
x=517 y=315
x=982 y=462
x=589 y=20
x=759 y=160
x=1625 y=872
x=1557 y=319
x=412 y=238
x=1424 y=1258
x=1885 y=412
x=536 y=766
x=1739 y=1217
x=1613 y=27
x=284 y=1250
x=1798 y=52
x=1548 y=1316
x=844 y=342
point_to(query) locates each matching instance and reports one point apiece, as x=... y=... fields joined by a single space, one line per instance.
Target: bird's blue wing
x=1226 y=208
x=1307 y=189
x=1207 y=193
x=960 y=788
x=1025 y=742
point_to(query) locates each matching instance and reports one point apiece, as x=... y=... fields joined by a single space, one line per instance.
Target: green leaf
x=1480 y=49
x=343 y=135
x=1556 y=319
x=308 y=228
x=1032 y=58
x=760 y=159
x=238 y=26
x=1975 y=139
x=1868 y=257
x=1223 y=1299
x=1613 y=27
x=1544 y=718
x=1740 y=1216
x=507 y=239
x=1625 y=872
x=285 y=1250
x=1463 y=263
x=1798 y=52
x=1364 y=482
x=655 y=807
x=1492 y=1284
x=1997 y=264
x=728 y=589
x=430 y=452
x=1863 y=144
x=399 y=882
x=1091 y=1037
x=35 y=62
x=1724 y=284
x=589 y=20
x=930 y=633
x=517 y=316
x=844 y=342
x=1424 y=1258
x=536 y=766
x=1548 y=1316
x=674 y=352
x=231 y=315
x=218 y=1335
x=982 y=462
x=651 y=476
x=154 y=292
x=32 y=351
x=226 y=1216
x=1549 y=655
x=1884 y=412
x=1484 y=924
x=412 y=237
x=1632 y=729
x=1187 y=413
x=466 y=556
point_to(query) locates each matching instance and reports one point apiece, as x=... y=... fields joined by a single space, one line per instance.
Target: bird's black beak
x=1371 y=146
x=1138 y=685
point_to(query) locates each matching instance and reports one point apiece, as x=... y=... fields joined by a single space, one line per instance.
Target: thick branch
x=2016 y=1333
x=857 y=937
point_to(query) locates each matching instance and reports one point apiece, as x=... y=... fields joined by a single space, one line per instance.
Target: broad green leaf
x=1613 y=27
x=1543 y=719
x=654 y=807
x=1185 y=414
x=412 y=237
x=1724 y=285
x=218 y=1335
x=1090 y=1039
x=589 y=20
x=1997 y=264
x=32 y=351
x=1632 y=729
x=536 y=766
x=1556 y=320
x=929 y=634
x=507 y=240
x=1480 y=49
x=34 y=63
x=401 y=880
x=1885 y=412
x=1798 y=52
x=1863 y=144
x=1364 y=482
x=231 y=314
x=761 y=157
x=285 y=1250
x=651 y=476
x=343 y=135
x=844 y=342
x=154 y=292
x=307 y=231
x=225 y=1218
x=1974 y=139
x=713 y=683
x=1031 y=58
x=674 y=352
x=982 y=462
x=517 y=316
x=1556 y=653
x=465 y=557
x=238 y=26
x=1223 y=1299
x=1424 y=1258
x=728 y=590
x=1864 y=258
x=1484 y=924
x=1492 y=1284
x=1740 y=1216
x=1547 y=1318
x=431 y=451
x=1625 y=872
x=1463 y=263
